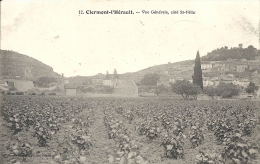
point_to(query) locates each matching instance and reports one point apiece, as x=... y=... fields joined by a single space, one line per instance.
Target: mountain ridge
x=183 y=69
x=16 y=65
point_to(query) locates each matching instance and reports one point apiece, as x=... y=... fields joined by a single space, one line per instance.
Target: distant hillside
x=183 y=69
x=160 y=69
x=224 y=53
x=13 y=64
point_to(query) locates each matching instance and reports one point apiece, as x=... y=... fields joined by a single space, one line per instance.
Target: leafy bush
x=223 y=130
x=19 y=93
x=196 y=136
x=22 y=149
x=208 y=158
x=90 y=89
x=240 y=152
x=150 y=79
x=186 y=89
x=160 y=89
x=44 y=81
x=81 y=139
x=108 y=89
x=150 y=129
x=42 y=135
x=127 y=149
x=227 y=90
x=173 y=148
x=210 y=91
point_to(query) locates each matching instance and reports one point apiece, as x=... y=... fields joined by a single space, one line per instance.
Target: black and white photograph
x=130 y=82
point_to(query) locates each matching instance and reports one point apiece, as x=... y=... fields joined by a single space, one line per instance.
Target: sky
x=54 y=32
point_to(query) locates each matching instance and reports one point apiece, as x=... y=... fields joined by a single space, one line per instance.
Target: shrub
x=210 y=91
x=227 y=90
x=239 y=152
x=19 y=93
x=186 y=89
x=150 y=79
x=90 y=89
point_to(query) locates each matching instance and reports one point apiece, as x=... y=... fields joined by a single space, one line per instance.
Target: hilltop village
x=236 y=65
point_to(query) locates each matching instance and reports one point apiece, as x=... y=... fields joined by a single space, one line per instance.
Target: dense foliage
x=140 y=131
x=222 y=54
x=227 y=90
x=251 y=88
x=186 y=89
x=210 y=91
x=160 y=89
x=42 y=118
x=197 y=76
x=44 y=81
x=150 y=79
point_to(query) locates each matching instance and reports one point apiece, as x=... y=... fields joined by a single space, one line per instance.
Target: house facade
x=241 y=67
x=110 y=82
x=19 y=85
x=205 y=65
x=97 y=81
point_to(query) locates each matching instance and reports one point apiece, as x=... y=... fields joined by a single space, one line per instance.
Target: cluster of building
x=96 y=82
x=232 y=65
x=69 y=86
x=25 y=84
x=238 y=72
x=107 y=82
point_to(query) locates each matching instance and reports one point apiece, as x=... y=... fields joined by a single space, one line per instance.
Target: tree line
x=224 y=53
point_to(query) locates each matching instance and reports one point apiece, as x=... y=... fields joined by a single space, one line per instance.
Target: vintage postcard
x=130 y=82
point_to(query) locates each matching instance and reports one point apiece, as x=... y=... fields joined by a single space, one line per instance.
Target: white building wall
x=107 y=82
x=258 y=93
x=208 y=83
x=23 y=86
x=172 y=80
x=206 y=66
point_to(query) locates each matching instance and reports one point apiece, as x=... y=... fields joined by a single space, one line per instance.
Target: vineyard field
x=77 y=130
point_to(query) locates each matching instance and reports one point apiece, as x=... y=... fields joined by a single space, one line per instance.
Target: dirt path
x=101 y=143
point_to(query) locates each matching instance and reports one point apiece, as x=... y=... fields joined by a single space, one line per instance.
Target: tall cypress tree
x=115 y=74
x=197 y=76
x=107 y=75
